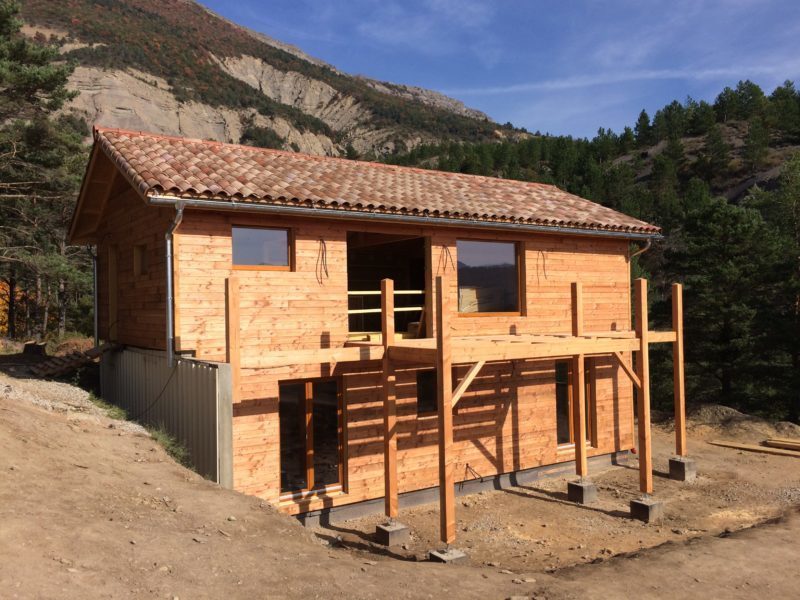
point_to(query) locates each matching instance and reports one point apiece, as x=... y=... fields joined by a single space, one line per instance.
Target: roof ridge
x=305 y=156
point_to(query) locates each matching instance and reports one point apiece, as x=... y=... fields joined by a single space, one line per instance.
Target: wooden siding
x=141 y=299
x=505 y=421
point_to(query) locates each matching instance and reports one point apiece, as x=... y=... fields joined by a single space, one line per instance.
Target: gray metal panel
x=191 y=401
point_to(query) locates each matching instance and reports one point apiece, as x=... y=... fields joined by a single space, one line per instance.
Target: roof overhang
x=384 y=217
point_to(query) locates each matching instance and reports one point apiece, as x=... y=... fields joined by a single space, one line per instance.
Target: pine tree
x=756 y=145
x=642 y=130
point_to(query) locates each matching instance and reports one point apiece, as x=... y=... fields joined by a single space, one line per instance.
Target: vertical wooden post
x=578 y=386
x=232 y=332
x=677 y=370
x=389 y=401
x=643 y=395
x=447 y=503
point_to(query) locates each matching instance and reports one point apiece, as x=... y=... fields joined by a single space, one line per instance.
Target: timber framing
x=446 y=350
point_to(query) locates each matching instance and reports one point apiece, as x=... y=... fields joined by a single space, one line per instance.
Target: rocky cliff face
x=116 y=93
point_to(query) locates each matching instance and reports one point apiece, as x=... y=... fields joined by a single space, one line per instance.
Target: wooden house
x=389 y=329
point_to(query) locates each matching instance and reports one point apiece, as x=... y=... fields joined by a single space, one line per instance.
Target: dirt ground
x=534 y=528
x=92 y=507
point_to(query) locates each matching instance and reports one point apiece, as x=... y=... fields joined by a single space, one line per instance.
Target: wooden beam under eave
x=628 y=370
x=578 y=386
x=643 y=397
x=679 y=383
x=444 y=382
x=468 y=379
x=389 y=402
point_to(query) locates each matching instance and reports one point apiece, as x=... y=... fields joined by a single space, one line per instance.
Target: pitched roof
x=165 y=165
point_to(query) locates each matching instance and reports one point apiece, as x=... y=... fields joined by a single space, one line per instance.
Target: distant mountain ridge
x=176 y=67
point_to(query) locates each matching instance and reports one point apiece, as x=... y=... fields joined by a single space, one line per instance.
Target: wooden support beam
x=232 y=333
x=444 y=380
x=628 y=370
x=578 y=386
x=643 y=397
x=468 y=379
x=410 y=354
x=267 y=359
x=389 y=402
x=662 y=337
x=677 y=370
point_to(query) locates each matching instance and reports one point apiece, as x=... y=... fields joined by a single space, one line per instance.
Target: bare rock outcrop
x=134 y=100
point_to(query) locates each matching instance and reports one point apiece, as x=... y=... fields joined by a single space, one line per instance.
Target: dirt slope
x=92 y=508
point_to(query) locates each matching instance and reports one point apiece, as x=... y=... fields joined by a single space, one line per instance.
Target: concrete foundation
x=345 y=512
x=581 y=492
x=682 y=468
x=449 y=556
x=648 y=510
x=392 y=534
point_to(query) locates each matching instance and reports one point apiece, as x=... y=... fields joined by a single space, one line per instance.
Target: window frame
x=590 y=393
x=311 y=491
x=290 y=249
x=519 y=257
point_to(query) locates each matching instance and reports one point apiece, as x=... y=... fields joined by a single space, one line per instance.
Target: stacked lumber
x=60 y=365
x=756 y=448
x=785 y=443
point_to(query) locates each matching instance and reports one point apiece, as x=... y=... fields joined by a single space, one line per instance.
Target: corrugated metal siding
x=192 y=401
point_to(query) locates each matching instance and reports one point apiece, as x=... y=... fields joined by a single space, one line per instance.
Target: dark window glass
x=325 y=418
x=427 y=400
x=563 y=412
x=488 y=277
x=292 y=419
x=564 y=428
x=260 y=247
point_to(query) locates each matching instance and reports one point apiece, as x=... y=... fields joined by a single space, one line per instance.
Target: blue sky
x=564 y=67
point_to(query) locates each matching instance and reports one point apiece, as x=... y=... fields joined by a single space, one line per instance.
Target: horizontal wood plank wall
x=504 y=422
x=129 y=222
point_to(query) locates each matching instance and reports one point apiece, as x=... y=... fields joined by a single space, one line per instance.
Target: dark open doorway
x=372 y=257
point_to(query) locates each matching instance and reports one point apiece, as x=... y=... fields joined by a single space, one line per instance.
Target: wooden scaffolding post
x=643 y=395
x=447 y=503
x=389 y=401
x=677 y=370
x=232 y=332
x=578 y=385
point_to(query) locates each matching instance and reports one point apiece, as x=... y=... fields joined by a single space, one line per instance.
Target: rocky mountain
x=175 y=67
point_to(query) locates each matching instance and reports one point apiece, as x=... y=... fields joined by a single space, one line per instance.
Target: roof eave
x=360 y=215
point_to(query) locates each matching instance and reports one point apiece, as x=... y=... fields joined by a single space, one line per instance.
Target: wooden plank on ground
x=782 y=443
x=754 y=448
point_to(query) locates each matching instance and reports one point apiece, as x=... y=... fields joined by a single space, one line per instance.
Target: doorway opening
x=372 y=257
x=310 y=417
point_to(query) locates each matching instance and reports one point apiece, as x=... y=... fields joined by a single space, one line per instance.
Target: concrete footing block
x=392 y=534
x=682 y=468
x=648 y=510
x=581 y=492
x=448 y=556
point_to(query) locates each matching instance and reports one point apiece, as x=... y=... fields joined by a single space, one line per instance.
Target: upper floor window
x=488 y=277
x=261 y=248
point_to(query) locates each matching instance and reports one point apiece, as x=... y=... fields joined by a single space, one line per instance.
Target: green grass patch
x=112 y=411
x=173 y=447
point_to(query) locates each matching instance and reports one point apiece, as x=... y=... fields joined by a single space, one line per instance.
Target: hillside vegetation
x=196 y=52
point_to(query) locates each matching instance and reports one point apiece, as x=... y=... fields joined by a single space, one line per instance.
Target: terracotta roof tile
x=158 y=164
